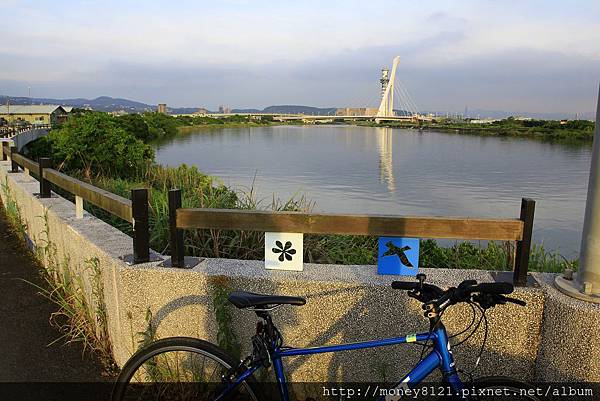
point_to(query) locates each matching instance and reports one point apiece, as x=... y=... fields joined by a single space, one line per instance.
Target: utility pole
x=585 y=284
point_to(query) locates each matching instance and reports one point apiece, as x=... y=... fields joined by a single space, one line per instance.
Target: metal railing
x=9 y=132
x=519 y=230
x=134 y=210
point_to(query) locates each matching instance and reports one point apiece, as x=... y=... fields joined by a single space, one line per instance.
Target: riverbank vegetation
x=114 y=153
x=551 y=130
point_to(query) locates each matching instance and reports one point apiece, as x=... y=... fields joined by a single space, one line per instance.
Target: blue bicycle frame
x=439 y=358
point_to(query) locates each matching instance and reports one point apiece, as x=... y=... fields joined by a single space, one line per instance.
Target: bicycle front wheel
x=179 y=369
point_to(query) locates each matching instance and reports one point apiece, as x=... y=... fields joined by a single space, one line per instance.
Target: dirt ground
x=26 y=332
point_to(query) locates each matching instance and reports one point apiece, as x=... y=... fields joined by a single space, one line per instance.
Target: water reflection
x=386 y=164
x=351 y=169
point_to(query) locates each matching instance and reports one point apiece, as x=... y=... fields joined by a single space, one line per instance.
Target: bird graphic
x=394 y=250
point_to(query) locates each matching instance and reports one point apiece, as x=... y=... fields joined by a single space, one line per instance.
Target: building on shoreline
x=49 y=114
x=356 y=111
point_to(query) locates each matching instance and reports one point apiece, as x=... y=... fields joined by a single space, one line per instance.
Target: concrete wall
x=25 y=137
x=345 y=303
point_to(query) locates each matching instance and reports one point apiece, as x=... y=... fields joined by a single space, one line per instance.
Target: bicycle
x=224 y=378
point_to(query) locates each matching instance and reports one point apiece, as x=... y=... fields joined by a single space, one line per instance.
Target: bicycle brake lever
x=515 y=301
x=421 y=277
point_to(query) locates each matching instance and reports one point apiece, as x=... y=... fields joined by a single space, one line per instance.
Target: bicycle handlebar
x=469 y=286
x=486 y=294
x=405 y=285
x=495 y=288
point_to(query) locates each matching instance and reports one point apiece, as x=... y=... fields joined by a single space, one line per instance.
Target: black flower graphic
x=286 y=252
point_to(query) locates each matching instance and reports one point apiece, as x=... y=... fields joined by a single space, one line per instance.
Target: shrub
x=161 y=125
x=94 y=142
x=135 y=125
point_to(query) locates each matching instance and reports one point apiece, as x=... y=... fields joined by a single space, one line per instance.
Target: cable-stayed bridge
x=393 y=96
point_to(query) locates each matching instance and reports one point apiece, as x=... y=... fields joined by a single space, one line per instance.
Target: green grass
x=81 y=318
x=13 y=212
x=200 y=190
x=576 y=131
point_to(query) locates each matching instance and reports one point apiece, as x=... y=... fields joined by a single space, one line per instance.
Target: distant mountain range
x=102 y=103
x=291 y=109
x=106 y=103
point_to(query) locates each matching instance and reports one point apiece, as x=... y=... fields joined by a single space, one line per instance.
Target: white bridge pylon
x=386 y=107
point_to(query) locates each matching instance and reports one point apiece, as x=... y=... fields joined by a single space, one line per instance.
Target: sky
x=522 y=56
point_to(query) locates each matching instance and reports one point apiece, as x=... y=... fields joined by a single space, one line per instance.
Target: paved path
x=25 y=331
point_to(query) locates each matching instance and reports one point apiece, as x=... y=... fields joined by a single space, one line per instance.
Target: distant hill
x=102 y=103
x=246 y=111
x=292 y=109
x=106 y=103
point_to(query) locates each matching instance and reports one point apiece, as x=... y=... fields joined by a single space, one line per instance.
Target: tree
x=134 y=124
x=160 y=125
x=95 y=144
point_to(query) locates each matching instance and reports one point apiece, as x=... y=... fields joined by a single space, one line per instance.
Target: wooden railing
x=402 y=226
x=105 y=200
x=134 y=210
x=519 y=230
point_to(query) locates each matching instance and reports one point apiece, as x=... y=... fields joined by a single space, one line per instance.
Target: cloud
x=484 y=54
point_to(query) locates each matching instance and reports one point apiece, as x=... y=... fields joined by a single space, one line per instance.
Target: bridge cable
x=413 y=104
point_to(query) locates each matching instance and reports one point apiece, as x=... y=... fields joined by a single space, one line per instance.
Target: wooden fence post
x=176 y=235
x=13 y=163
x=524 y=246
x=44 y=162
x=141 y=235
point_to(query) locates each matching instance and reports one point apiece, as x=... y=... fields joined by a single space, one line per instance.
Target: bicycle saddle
x=243 y=299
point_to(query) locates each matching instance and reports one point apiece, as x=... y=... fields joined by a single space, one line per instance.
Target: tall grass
x=198 y=191
x=13 y=212
x=80 y=317
x=201 y=190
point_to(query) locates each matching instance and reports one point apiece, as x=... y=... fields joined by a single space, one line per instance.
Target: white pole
x=589 y=270
x=586 y=283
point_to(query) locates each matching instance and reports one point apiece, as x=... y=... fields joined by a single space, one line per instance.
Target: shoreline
x=557 y=135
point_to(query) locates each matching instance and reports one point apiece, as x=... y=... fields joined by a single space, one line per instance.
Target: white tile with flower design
x=284 y=251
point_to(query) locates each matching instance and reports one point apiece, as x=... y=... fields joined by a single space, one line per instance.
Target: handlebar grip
x=495 y=288
x=404 y=285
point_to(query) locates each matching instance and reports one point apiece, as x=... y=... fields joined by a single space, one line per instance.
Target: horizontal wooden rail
x=124 y=208
x=404 y=226
x=24 y=162
x=108 y=201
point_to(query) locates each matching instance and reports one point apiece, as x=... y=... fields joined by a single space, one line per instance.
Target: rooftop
x=29 y=109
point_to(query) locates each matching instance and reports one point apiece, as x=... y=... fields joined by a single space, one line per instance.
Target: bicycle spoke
x=180 y=375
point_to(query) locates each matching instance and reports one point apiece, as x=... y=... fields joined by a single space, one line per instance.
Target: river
x=351 y=169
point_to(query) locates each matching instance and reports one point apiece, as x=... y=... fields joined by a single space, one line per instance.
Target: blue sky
x=527 y=56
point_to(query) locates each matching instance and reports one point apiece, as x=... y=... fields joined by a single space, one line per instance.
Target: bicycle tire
x=166 y=388
x=523 y=390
